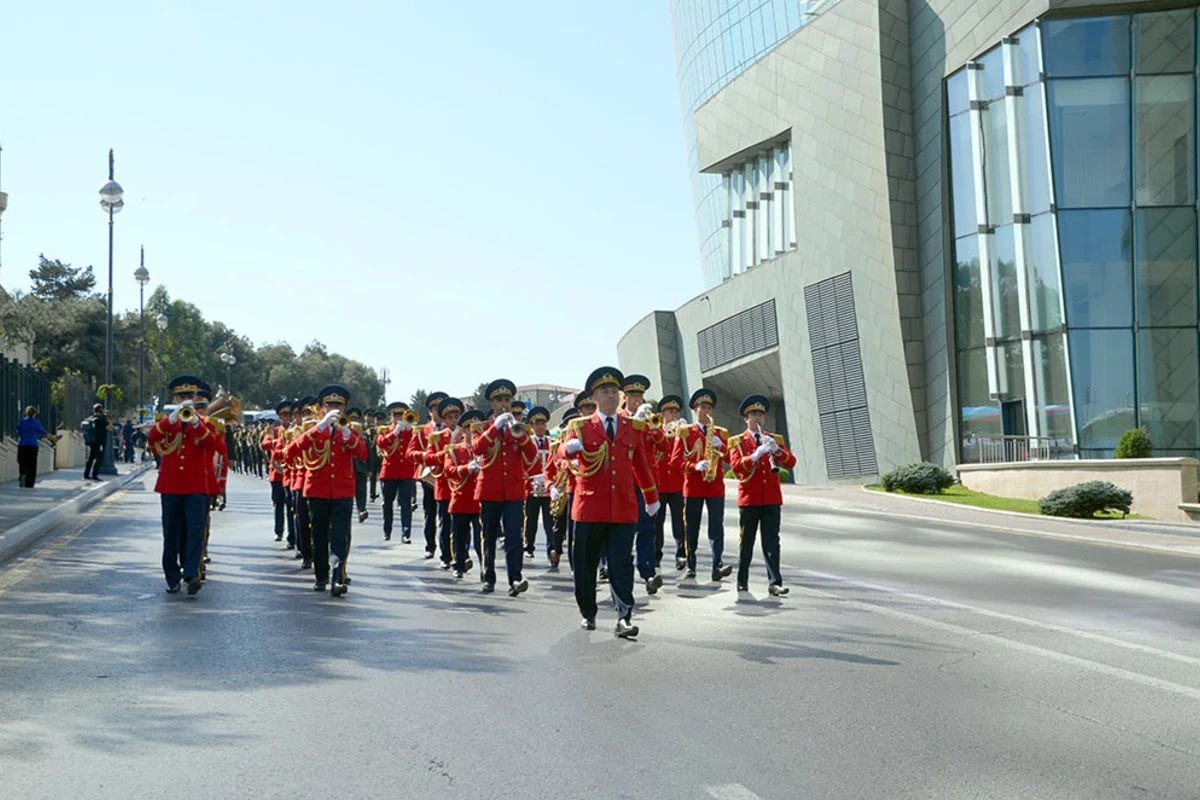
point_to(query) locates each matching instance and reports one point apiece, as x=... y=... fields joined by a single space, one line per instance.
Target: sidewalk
x=28 y=514
x=1177 y=537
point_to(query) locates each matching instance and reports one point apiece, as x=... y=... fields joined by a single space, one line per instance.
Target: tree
x=54 y=280
x=479 y=400
x=417 y=401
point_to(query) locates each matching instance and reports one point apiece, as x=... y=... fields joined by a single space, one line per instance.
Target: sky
x=454 y=190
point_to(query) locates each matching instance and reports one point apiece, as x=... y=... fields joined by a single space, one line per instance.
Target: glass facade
x=1072 y=159
x=715 y=40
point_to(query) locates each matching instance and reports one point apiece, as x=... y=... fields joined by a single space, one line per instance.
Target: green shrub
x=1083 y=500
x=1134 y=443
x=921 y=478
x=784 y=475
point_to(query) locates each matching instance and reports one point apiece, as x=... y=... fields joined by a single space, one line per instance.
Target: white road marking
x=1046 y=626
x=731 y=791
x=1052 y=655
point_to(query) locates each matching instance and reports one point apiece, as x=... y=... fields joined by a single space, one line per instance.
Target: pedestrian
x=96 y=431
x=29 y=431
x=127 y=438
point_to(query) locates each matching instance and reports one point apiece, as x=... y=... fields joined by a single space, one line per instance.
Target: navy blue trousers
x=402 y=491
x=647 y=562
x=590 y=539
x=330 y=535
x=280 y=506
x=750 y=519
x=429 y=507
x=507 y=518
x=462 y=526
x=692 y=508
x=183 y=518
x=445 y=532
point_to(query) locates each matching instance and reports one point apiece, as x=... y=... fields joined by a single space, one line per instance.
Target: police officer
x=185 y=445
x=756 y=458
x=613 y=460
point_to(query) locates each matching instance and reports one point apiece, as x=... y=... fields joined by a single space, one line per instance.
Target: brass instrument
x=711 y=454
x=411 y=417
x=517 y=428
x=225 y=407
x=770 y=456
x=187 y=414
x=655 y=421
x=343 y=421
x=671 y=428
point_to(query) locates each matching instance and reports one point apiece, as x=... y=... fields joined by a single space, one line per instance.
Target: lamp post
x=228 y=359
x=161 y=322
x=110 y=201
x=142 y=275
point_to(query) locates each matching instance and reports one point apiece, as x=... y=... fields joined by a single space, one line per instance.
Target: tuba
x=226 y=408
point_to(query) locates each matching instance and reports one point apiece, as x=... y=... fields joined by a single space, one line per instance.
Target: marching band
x=600 y=486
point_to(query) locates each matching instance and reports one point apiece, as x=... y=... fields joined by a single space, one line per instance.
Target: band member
x=558 y=479
x=517 y=409
x=217 y=467
x=505 y=451
x=612 y=460
x=537 y=499
x=449 y=411
x=756 y=458
x=360 y=466
x=585 y=406
x=397 y=471
x=418 y=452
x=670 y=482
x=185 y=445
x=461 y=469
x=701 y=449
x=373 y=419
x=328 y=450
x=272 y=441
x=303 y=419
x=634 y=388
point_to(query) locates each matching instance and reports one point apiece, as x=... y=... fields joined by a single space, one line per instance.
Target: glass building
x=715 y=40
x=1072 y=162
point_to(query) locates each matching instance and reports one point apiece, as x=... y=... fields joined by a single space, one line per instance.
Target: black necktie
x=611 y=433
x=758 y=439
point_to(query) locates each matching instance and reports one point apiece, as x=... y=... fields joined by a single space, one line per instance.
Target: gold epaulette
x=575 y=424
x=638 y=424
x=683 y=429
x=778 y=439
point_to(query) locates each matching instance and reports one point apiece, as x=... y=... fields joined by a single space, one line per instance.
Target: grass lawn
x=964 y=496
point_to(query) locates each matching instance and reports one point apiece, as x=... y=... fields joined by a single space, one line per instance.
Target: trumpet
x=411 y=417
x=517 y=428
x=343 y=421
x=187 y=414
x=655 y=421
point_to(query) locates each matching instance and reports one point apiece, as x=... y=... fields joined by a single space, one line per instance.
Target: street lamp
x=161 y=322
x=110 y=201
x=228 y=359
x=142 y=275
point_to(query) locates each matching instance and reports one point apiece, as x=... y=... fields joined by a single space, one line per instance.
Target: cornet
x=187 y=414
x=654 y=421
x=411 y=417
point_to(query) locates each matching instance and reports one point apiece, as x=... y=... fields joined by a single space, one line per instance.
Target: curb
x=23 y=536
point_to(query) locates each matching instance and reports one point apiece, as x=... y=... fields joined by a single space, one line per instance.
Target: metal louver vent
x=838 y=378
x=747 y=332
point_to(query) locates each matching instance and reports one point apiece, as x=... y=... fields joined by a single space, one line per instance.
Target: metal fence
x=77 y=398
x=20 y=387
x=1003 y=449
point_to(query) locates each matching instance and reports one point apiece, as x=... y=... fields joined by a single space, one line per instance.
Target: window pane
x=1004 y=284
x=1089 y=141
x=962 y=176
x=968 y=294
x=1164 y=42
x=1041 y=259
x=1166 y=266
x=996 y=172
x=1050 y=375
x=993 y=74
x=1163 y=140
x=979 y=413
x=957 y=100
x=1102 y=378
x=1079 y=47
x=1028 y=66
x=1012 y=370
x=1036 y=171
x=1096 y=268
x=1167 y=388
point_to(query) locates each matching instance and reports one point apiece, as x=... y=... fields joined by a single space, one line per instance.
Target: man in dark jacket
x=100 y=429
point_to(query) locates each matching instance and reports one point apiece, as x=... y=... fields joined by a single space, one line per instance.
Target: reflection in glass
x=1036 y=172
x=957 y=100
x=1086 y=47
x=1028 y=64
x=997 y=178
x=993 y=74
x=1050 y=375
x=1102 y=380
x=1096 y=268
x=1089 y=142
x=968 y=294
x=1012 y=370
x=1041 y=259
x=1005 y=285
x=962 y=176
x=1166 y=266
x=1163 y=139
x=980 y=414
x=1167 y=386
x=1164 y=42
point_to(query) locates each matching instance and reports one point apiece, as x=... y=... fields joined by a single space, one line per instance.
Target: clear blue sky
x=454 y=190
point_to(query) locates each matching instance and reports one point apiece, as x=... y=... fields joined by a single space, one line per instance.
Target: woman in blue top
x=29 y=430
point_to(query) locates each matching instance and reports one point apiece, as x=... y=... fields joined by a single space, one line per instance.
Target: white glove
x=327 y=420
x=760 y=451
x=653 y=508
x=644 y=411
x=188 y=403
x=701 y=466
x=540 y=480
x=574 y=446
x=472 y=466
x=774 y=445
x=504 y=420
x=715 y=441
x=347 y=432
x=401 y=427
x=173 y=417
x=554 y=494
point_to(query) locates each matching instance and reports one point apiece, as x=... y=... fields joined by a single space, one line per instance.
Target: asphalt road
x=909 y=662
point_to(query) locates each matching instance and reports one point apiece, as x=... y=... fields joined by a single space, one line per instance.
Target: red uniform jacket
x=435 y=457
x=608 y=472
x=505 y=460
x=393 y=449
x=689 y=450
x=460 y=479
x=757 y=485
x=268 y=445
x=220 y=459
x=670 y=472
x=328 y=462
x=555 y=468
x=186 y=453
x=539 y=466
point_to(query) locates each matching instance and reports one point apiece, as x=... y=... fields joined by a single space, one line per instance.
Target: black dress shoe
x=337 y=589
x=680 y=564
x=517 y=587
x=722 y=572
x=307 y=564
x=488 y=588
x=626 y=629
x=468 y=565
x=743 y=587
x=691 y=573
x=603 y=573
x=346 y=580
x=405 y=540
x=429 y=554
x=457 y=573
x=777 y=591
x=588 y=623
x=298 y=556
x=290 y=545
x=194 y=585
x=279 y=537
x=319 y=586
x=387 y=537
x=554 y=558
x=445 y=565
x=362 y=516
x=172 y=588
x=653 y=584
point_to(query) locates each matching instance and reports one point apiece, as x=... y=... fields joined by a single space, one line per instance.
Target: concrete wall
x=1159 y=485
x=71 y=451
x=649 y=348
x=8 y=459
